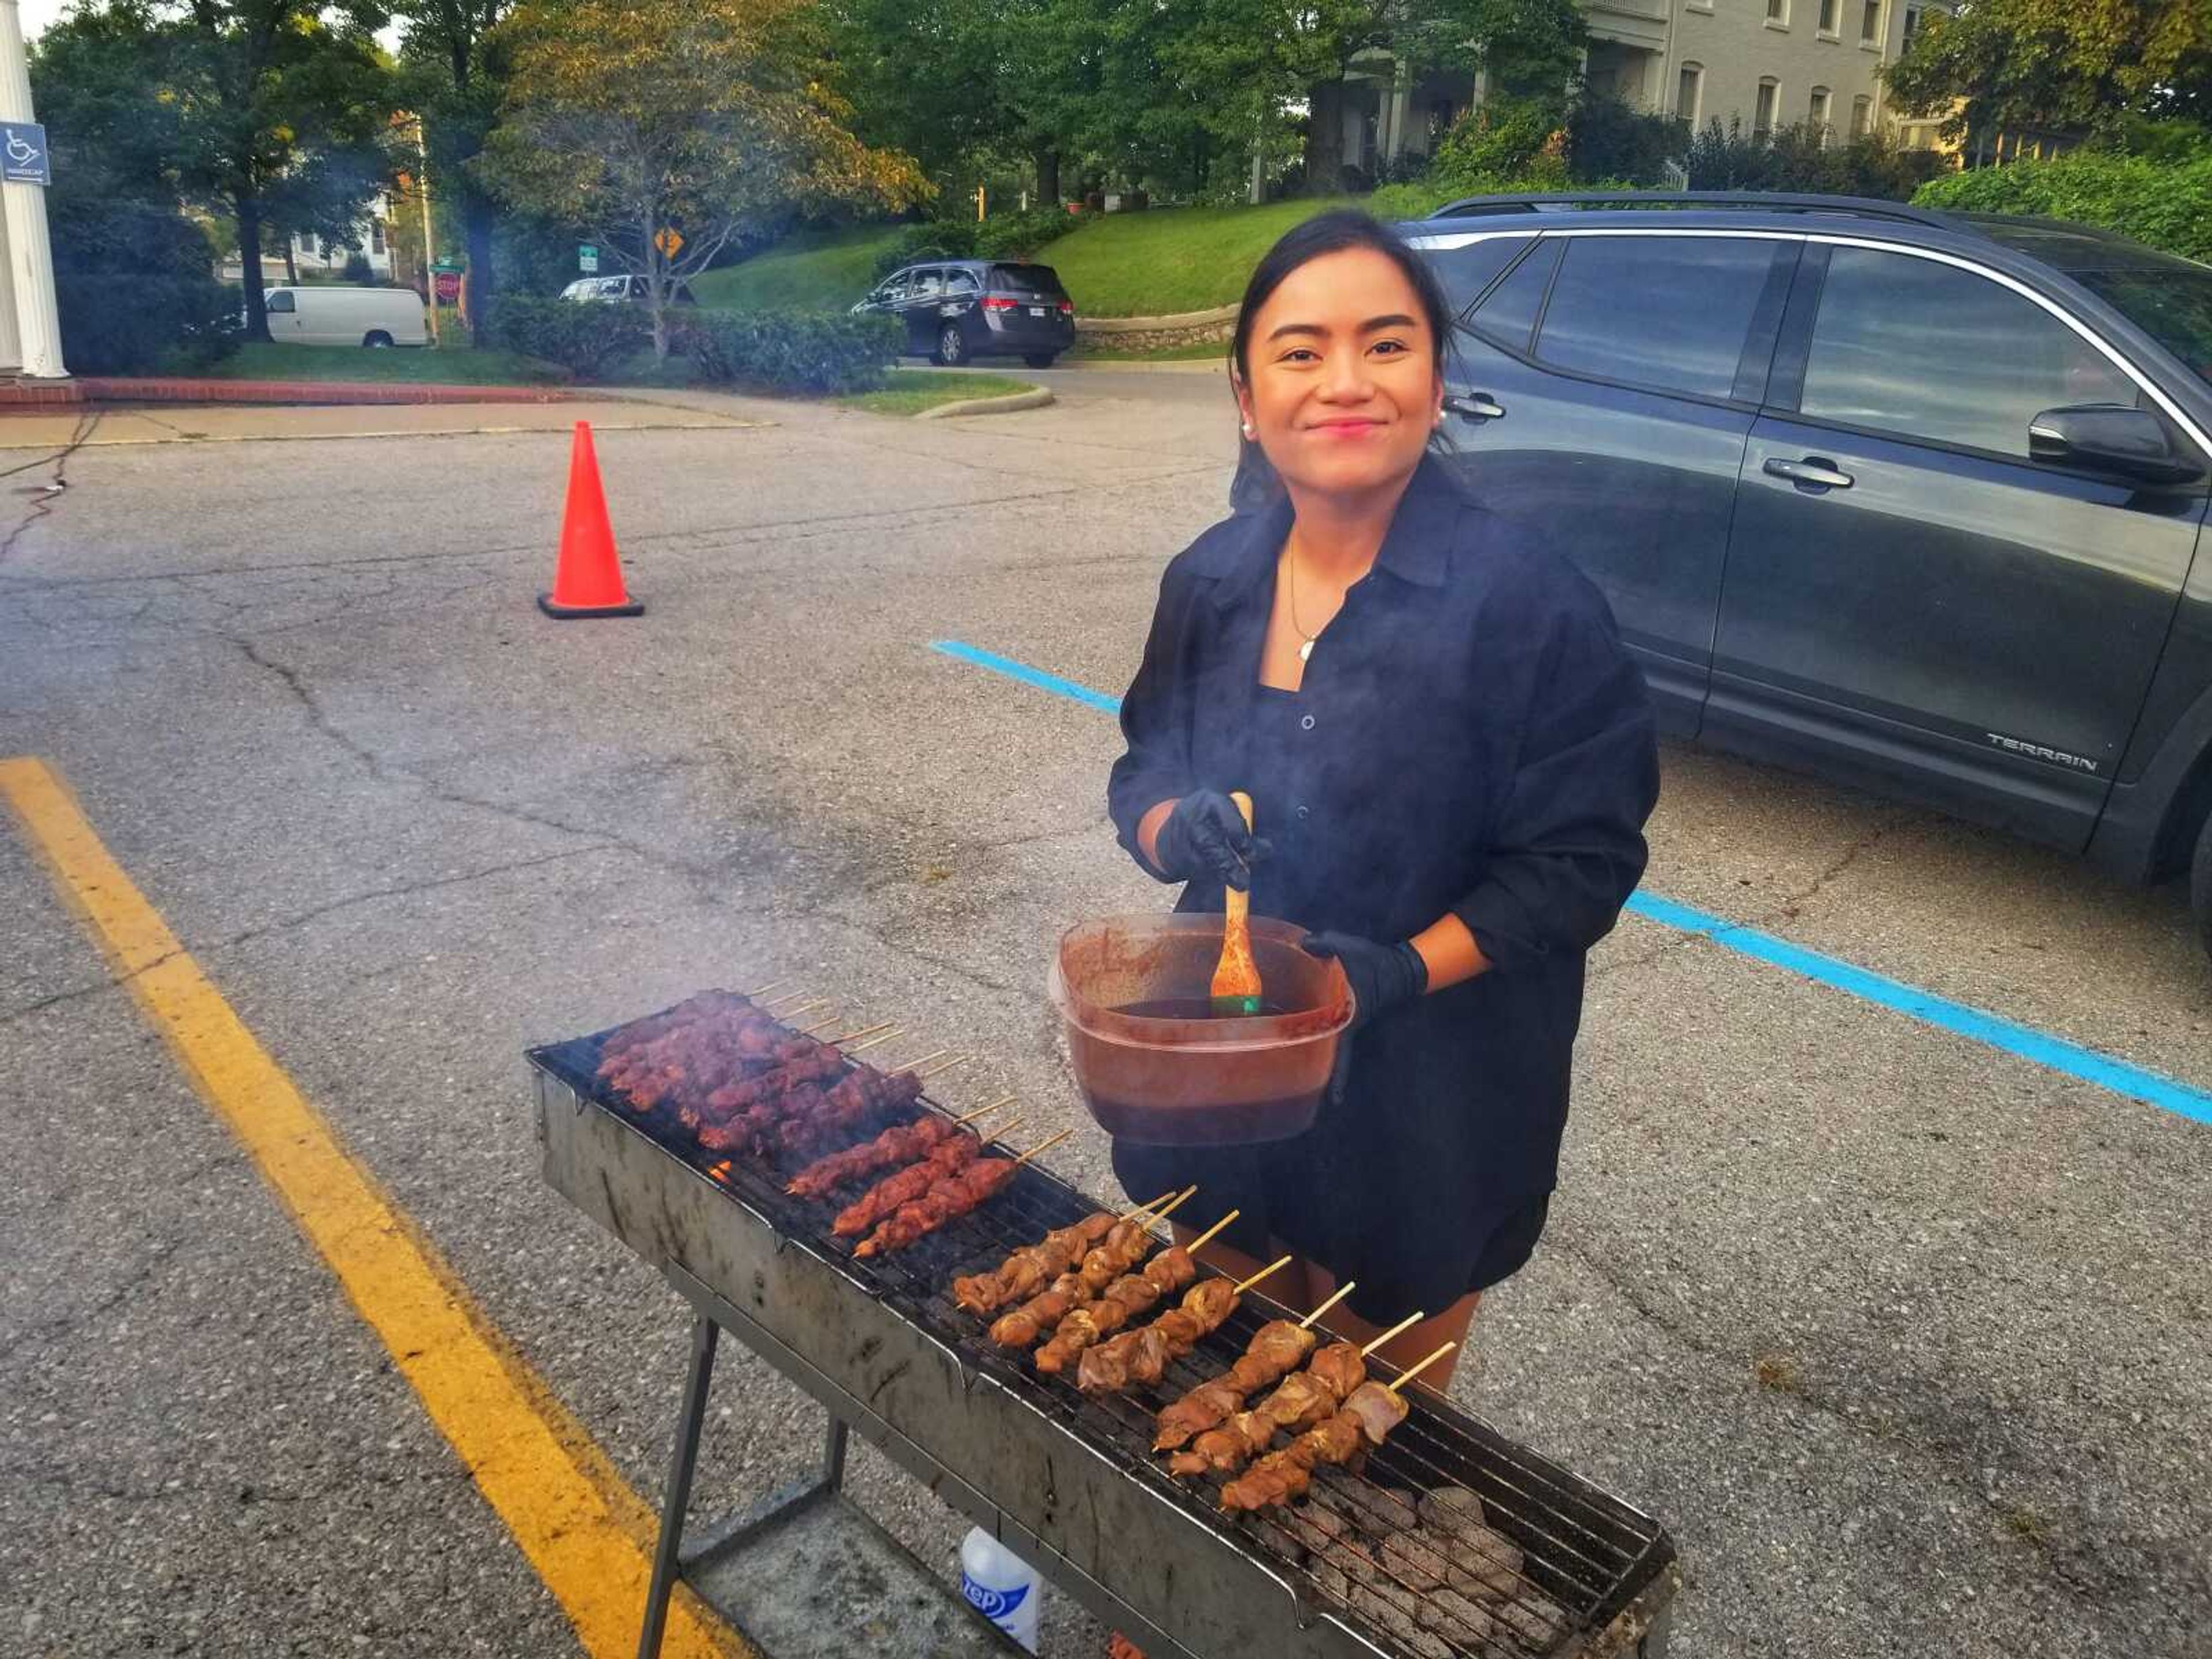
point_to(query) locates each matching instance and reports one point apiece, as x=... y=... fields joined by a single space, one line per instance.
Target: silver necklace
x=1305 y=651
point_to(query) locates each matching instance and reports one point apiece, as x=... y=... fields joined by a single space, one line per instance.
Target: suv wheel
x=1040 y=359
x=2200 y=883
x=376 y=337
x=952 y=346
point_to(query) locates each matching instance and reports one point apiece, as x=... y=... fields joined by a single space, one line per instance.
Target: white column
x=30 y=254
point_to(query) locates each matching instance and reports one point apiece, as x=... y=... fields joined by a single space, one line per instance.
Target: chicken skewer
x=1369 y=1414
x=720 y=1038
x=971 y=1188
x=948 y=1157
x=1143 y=1355
x=858 y=1103
x=782 y=1120
x=1033 y=1265
x=1277 y=1349
x=1299 y=1401
x=1044 y=1312
x=1205 y=1303
x=902 y=1143
x=799 y=1062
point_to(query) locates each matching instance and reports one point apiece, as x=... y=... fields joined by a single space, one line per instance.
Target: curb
x=1212 y=318
x=1007 y=405
x=103 y=389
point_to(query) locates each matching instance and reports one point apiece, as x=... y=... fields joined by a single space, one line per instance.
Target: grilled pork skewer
x=1300 y=1402
x=903 y=1143
x=971 y=1188
x=1277 y=1349
x=1143 y=1356
x=1370 y=1413
x=1021 y=1274
x=946 y=1160
x=1043 y=1314
x=1127 y=1297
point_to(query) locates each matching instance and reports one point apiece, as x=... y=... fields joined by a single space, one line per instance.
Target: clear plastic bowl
x=1198 y=1081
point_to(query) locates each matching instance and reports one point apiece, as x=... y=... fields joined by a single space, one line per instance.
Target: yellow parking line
x=584 y=1531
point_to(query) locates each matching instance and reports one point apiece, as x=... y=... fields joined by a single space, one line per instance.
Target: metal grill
x=1594 y=1571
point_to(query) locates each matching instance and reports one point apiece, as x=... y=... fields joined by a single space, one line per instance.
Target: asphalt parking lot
x=1907 y=1337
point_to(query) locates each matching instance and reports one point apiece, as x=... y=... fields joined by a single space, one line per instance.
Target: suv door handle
x=1476 y=406
x=1817 y=472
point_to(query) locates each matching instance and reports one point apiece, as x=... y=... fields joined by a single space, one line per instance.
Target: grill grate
x=1585 y=1555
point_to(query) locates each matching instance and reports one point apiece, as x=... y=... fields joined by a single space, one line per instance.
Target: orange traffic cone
x=587 y=582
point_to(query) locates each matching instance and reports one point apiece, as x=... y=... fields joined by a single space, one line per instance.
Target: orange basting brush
x=1236 y=976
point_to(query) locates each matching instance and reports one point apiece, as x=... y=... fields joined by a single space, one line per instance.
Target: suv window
x=1465 y=271
x=1509 y=315
x=1672 y=313
x=927 y=284
x=1026 y=279
x=890 y=291
x=278 y=302
x=1927 y=350
x=962 y=281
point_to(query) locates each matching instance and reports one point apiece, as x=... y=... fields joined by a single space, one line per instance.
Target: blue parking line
x=1992 y=1030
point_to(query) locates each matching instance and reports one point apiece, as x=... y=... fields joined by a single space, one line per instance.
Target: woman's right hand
x=1203 y=838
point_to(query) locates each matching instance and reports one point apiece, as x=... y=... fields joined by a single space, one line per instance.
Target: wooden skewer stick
x=1206 y=1237
x=934 y=1054
x=821 y=1025
x=943 y=1066
x=983 y=1111
x=1279 y=1262
x=1336 y=1296
x=1175 y=1205
x=1406 y=1323
x=1423 y=1366
x=1009 y=1128
x=1042 y=1147
x=785 y=1015
x=1146 y=1209
x=788 y=996
x=760 y=991
x=865 y=1031
x=855 y=1047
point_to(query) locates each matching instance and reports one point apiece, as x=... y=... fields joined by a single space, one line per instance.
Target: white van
x=329 y=315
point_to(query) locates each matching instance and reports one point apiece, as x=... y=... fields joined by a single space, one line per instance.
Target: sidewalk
x=253 y=423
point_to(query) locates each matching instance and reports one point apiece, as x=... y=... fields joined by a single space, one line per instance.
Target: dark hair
x=1334 y=232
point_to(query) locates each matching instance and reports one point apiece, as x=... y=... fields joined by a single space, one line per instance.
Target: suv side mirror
x=2111 y=437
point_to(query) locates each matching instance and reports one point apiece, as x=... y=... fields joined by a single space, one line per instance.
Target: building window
x=1762 y=112
x=1911 y=28
x=1816 y=111
x=1831 y=18
x=376 y=235
x=1870 y=24
x=1861 y=116
x=1778 y=13
x=1689 y=93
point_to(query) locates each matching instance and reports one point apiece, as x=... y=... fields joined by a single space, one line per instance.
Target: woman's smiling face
x=1342 y=390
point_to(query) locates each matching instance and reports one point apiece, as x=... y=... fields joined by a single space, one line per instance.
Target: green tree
x=2085 y=66
x=638 y=119
x=454 y=71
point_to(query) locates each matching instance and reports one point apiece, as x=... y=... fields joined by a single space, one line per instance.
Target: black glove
x=1381 y=976
x=1205 y=839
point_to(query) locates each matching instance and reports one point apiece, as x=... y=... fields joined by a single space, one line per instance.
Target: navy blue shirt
x=1469 y=737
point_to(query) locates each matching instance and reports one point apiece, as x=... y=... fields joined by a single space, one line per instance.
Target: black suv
x=956 y=309
x=1907 y=498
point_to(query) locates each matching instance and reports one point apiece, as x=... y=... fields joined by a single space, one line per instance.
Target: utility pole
x=34 y=321
x=429 y=253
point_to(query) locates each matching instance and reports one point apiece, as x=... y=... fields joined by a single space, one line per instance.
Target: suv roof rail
x=1865 y=207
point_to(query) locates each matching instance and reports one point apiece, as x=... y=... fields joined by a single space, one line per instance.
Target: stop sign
x=449 y=287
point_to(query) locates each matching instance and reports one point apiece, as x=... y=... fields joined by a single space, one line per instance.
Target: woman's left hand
x=1382 y=976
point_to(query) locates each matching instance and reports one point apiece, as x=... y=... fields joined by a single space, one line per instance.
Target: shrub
x=582 y=338
x=1019 y=236
x=2168 y=207
x=1503 y=139
x=942 y=238
x=135 y=287
x=1797 y=159
x=790 y=350
x=357 y=267
x=1607 y=139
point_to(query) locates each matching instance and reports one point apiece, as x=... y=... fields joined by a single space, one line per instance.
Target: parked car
x=325 y=314
x=1909 y=499
x=613 y=290
x=956 y=309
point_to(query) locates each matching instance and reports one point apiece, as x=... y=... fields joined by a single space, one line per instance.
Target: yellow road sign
x=669 y=241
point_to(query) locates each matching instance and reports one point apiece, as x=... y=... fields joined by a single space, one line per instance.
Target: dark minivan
x=956 y=309
x=1906 y=498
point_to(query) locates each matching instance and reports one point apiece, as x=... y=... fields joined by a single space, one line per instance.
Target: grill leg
x=833 y=1454
x=678 y=1497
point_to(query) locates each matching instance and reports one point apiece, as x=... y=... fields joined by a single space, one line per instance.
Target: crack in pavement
x=87 y=424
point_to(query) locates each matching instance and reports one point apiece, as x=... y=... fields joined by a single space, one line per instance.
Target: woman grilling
x=1450 y=759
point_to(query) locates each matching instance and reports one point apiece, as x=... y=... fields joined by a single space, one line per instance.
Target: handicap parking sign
x=23 y=154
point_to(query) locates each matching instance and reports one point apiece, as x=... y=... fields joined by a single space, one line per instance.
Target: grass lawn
x=813 y=271
x=910 y=390
x=442 y=366
x=1166 y=260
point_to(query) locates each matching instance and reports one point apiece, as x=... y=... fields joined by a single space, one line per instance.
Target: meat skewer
x=720 y=1039
x=799 y=1062
x=1301 y=1401
x=1369 y=1414
x=902 y=1143
x=1044 y=1313
x=1021 y=1274
x=799 y=1094
x=1277 y=1349
x=944 y=1160
x=1144 y=1355
x=1205 y=1304
x=950 y=1198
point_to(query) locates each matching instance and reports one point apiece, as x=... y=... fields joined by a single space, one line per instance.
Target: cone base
x=577 y=612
